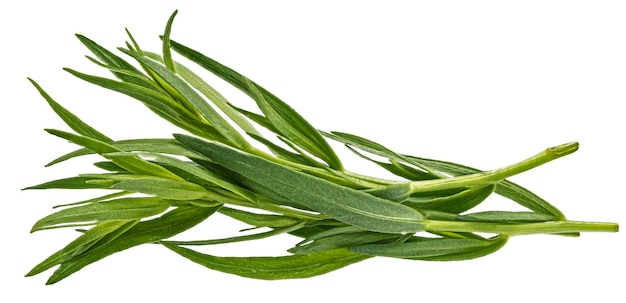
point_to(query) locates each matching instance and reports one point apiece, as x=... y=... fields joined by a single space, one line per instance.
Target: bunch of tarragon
x=294 y=184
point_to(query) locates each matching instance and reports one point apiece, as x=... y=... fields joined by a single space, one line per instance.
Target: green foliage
x=161 y=187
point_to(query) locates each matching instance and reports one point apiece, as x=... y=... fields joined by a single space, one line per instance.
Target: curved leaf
x=274 y=268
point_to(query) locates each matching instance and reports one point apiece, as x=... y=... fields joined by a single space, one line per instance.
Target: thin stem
x=487 y=177
x=257 y=236
x=556 y=227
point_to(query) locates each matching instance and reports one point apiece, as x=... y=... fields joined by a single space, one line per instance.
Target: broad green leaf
x=274 y=268
x=188 y=94
x=424 y=248
x=287 y=121
x=342 y=203
x=504 y=188
x=163 y=188
x=258 y=220
x=509 y=217
x=133 y=164
x=120 y=209
x=166 y=226
x=68 y=183
x=455 y=203
x=83 y=242
x=70 y=119
x=249 y=184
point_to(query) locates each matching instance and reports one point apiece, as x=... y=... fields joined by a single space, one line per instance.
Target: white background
x=484 y=83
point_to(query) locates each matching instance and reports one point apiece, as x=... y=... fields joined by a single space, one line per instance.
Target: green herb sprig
x=296 y=184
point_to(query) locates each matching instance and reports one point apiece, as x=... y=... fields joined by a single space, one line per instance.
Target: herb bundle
x=291 y=184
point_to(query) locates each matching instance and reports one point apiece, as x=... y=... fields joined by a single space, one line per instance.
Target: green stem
x=487 y=177
x=556 y=227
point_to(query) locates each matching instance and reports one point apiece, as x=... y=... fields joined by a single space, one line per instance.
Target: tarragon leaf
x=422 y=248
x=70 y=119
x=344 y=204
x=69 y=183
x=120 y=209
x=258 y=220
x=341 y=240
x=82 y=243
x=274 y=268
x=115 y=61
x=455 y=203
x=163 y=188
x=285 y=119
x=166 y=226
x=133 y=164
x=187 y=94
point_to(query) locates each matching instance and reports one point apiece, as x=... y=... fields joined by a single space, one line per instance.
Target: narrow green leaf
x=109 y=166
x=341 y=241
x=167 y=53
x=376 y=149
x=395 y=192
x=331 y=231
x=160 y=103
x=68 y=183
x=286 y=120
x=281 y=152
x=119 y=209
x=425 y=247
x=96 y=199
x=85 y=240
x=274 y=268
x=188 y=94
x=201 y=173
x=152 y=98
x=259 y=220
x=115 y=61
x=494 y=244
x=256 y=118
x=344 y=204
x=210 y=93
x=292 y=125
x=455 y=203
x=166 y=226
x=133 y=164
x=162 y=146
x=70 y=119
x=163 y=188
